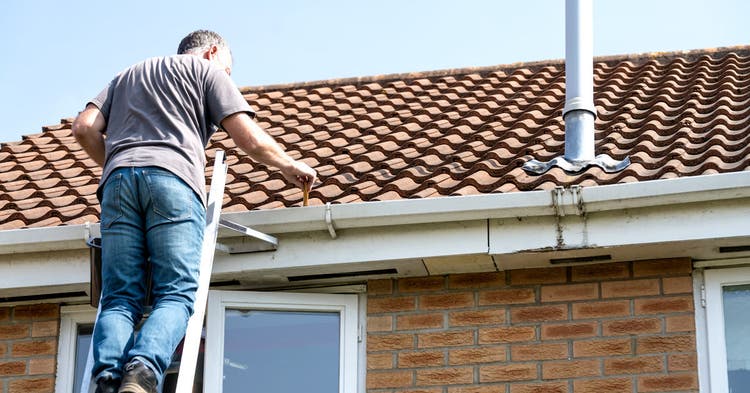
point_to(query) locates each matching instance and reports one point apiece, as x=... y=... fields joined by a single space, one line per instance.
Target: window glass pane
x=737 y=334
x=281 y=351
x=83 y=341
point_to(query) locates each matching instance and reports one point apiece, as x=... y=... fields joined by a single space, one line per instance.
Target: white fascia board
x=430 y=210
x=317 y=249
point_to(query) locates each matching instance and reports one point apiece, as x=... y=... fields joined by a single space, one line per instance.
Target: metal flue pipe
x=579 y=112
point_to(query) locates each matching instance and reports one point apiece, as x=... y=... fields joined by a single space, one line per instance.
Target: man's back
x=163 y=111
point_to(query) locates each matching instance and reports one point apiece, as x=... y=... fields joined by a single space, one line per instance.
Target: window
x=76 y=330
x=281 y=342
x=728 y=328
x=76 y=326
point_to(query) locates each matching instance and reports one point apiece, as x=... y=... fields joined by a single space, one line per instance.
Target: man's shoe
x=107 y=385
x=138 y=378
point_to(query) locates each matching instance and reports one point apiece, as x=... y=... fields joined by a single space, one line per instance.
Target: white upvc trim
x=219 y=301
x=70 y=318
x=419 y=211
x=715 y=280
x=686 y=217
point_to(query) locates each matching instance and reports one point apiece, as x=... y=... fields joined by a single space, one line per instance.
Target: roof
x=440 y=133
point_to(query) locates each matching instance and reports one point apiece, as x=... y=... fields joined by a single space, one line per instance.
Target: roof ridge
x=531 y=65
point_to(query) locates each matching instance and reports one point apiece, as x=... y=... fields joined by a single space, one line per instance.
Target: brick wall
x=619 y=327
x=28 y=348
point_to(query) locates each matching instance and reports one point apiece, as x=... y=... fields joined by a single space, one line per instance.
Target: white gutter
x=431 y=210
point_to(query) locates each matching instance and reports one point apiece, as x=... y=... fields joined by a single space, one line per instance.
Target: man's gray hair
x=199 y=41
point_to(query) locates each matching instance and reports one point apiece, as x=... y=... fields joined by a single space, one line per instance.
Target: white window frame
x=219 y=301
x=71 y=317
x=715 y=280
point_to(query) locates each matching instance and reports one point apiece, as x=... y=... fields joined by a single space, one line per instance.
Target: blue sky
x=61 y=53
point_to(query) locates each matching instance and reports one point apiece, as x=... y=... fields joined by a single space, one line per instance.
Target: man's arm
x=260 y=146
x=87 y=129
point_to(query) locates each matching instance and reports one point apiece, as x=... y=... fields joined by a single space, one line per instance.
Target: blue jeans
x=149 y=216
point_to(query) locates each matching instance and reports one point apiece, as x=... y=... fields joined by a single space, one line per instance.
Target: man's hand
x=261 y=147
x=87 y=129
x=301 y=175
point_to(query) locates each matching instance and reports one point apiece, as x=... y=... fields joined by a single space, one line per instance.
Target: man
x=158 y=117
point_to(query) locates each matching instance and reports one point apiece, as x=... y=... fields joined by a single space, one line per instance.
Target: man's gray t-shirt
x=162 y=112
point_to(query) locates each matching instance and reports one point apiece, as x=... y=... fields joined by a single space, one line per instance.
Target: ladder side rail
x=191 y=344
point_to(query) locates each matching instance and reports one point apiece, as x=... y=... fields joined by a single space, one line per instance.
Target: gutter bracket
x=329 y=221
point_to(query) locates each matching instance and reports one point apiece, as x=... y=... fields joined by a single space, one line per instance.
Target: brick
x=477 y=389
x=446 y=339
x=39 y=366
x=570 y=369
x=558 y=312
x=14 y=332
x=551 y=351
x=36 y=312
x=4 y=314
x=380 y=324
x=389 y=342
x=598 y=348
x=609 y=385
x=419 y=321
x=34 y=348
x=44 y=329
x=379 y=287
x=379 y=361
x=599 y=272
x=485 y=354
x=391 y=304
x=12 y=368
x=508 y=372
x=431 y=390
x=446 y=376
x=634 y=365
x=662 y=267
x=661 y=344
x=549 y=387
x=507 y=334
x=682 y=362
x=569 y=330
x=507 y=296
x=3 y=349
x=624 y=327
x=476 y=280
x=664 y=305
x=476 y=318
x=552 y=275
x=681 y=323
x=606 y=309
x=421 y=284
x=37 y=385
x=421 y=359
x=389 y=379
x=630 y=288
x=674 y=285
x=570 y=292
x=661 y=383
x=446 y=301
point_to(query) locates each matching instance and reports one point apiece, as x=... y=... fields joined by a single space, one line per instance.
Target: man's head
x=208 y=45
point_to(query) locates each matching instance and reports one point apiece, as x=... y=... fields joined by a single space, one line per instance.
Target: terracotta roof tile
x=422 y=135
